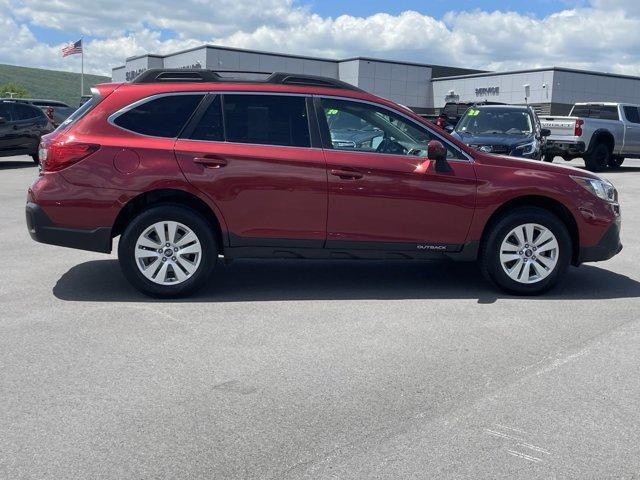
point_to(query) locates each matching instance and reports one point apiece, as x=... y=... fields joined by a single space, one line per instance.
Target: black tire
x=598 y=158
x=548 y=157
x=168 y=212
x=489 y=259
x=616 y=161
x=35 y=158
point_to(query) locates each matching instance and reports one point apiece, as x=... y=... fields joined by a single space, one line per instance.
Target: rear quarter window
x=163 y=116
x=80 y=112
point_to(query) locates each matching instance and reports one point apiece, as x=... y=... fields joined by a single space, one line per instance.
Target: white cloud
x=604 y=36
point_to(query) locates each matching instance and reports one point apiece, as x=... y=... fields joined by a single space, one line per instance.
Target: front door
x=383 y=192
x=252 y=155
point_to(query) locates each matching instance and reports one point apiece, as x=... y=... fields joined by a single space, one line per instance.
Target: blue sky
x=436 y=8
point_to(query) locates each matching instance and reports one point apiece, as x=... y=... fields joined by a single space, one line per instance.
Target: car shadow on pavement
x=12 y=164
x=282 y=280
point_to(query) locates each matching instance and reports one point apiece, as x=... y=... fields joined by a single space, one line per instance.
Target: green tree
x=13 y=89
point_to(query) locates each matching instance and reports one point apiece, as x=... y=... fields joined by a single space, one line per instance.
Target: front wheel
x=547 y=157
x=167 y=251
x=526 y=252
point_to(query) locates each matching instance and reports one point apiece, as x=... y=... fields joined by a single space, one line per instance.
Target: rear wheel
x=168 y=251
x=35 y=158
x=616 y=161
x=526 y=252
x=598 y=159
x=548 y=157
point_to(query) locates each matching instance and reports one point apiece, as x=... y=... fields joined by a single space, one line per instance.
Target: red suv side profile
x=186 y=166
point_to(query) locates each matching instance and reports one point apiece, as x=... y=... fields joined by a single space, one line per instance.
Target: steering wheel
x=389 y=145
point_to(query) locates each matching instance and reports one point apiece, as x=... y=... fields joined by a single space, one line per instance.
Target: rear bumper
x=608 y=246
x=565 y=147
x=42 y=230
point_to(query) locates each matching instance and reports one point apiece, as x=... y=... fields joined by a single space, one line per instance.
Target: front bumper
x=608 y=246
x=42 y=230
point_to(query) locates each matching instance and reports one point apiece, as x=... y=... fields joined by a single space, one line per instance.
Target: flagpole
x=82 y=70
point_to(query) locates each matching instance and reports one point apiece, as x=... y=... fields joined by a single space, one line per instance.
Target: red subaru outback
x=186 y=166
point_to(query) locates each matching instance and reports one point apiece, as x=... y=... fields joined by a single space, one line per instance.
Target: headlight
x=526 y=148
x=599 y=187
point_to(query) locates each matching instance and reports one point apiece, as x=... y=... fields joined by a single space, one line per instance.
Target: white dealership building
x=421 y=86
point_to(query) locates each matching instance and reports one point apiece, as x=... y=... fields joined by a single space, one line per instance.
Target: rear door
x=381 y=196
x=256 y=157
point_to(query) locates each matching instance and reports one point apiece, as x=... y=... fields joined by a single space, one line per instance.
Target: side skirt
x=464 y=253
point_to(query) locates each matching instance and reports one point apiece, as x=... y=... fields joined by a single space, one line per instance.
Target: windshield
x=495 y=121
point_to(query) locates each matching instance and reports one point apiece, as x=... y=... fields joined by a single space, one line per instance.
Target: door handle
x=211 y=162
x=346 y=174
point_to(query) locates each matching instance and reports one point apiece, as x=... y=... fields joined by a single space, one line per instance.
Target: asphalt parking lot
x=315 y=370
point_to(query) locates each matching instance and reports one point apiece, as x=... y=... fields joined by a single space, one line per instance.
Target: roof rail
x=158 y=75
x=309 y=80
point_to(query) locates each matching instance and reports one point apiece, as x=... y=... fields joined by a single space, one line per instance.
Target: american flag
x=72 y=48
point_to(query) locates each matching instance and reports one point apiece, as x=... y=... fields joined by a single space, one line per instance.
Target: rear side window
x=632 y=114
x=160 y=117
x=210 y=125
x=25 y=112
x=266 y=119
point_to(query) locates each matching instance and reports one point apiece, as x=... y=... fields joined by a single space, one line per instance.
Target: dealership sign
x=486 y=91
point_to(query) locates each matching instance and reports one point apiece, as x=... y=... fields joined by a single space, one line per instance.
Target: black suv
x=21 y=127
x=512 y=130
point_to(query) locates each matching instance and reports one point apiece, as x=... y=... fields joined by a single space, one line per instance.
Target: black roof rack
x=158 y=75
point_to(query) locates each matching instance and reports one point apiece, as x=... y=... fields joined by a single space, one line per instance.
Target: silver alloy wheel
x=168 y=253
x=529 y=253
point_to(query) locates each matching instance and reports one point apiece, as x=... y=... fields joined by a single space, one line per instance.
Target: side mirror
x=438 y=153
x=449 y=128
x=3 y=120
x=545 y=132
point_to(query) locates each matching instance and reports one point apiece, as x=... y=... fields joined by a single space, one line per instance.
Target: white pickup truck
x=604 y=134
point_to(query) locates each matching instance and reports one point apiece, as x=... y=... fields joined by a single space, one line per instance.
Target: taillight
x=577 y=131
x=57 y=156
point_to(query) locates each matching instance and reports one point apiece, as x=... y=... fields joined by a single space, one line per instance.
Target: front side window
x=266 y=119
x=160 y=117
x=358 y=126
